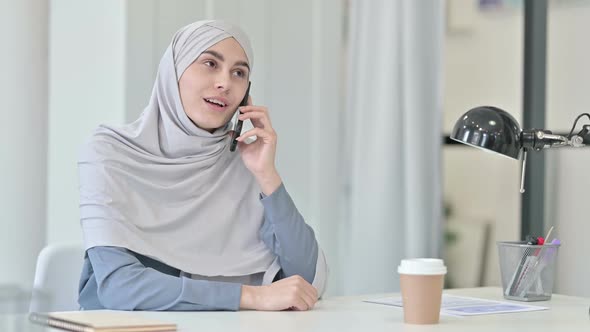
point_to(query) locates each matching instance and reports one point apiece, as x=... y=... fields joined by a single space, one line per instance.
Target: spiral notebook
x=100 y=321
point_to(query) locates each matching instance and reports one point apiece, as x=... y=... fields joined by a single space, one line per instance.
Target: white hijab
x=167 y=189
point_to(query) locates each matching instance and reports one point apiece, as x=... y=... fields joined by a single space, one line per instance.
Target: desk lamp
x=495 y=130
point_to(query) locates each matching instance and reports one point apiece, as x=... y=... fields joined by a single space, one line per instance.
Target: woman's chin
x=209 y=125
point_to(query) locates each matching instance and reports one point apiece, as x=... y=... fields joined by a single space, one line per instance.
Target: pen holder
x=528 y=271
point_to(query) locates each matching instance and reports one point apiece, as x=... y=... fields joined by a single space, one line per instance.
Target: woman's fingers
x=311 y=293
x=306 y=287
x=305 y=290
x=301 y=304
x=292 y=292
x=258 y=118
x=266 y=135
x=252 y=108
x=309 y=301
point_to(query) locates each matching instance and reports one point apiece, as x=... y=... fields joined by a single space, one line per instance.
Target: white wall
x=568 y=87
x=86 y=88
x=483 y=66
x=23 y=132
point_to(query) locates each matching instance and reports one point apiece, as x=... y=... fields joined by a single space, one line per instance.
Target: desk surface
x=566 y=313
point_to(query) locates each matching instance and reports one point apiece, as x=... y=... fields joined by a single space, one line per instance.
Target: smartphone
x=237 y=131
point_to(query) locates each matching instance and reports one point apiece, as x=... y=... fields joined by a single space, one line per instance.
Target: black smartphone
x=237 y=131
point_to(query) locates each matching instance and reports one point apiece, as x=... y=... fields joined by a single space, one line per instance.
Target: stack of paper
x=467 y=306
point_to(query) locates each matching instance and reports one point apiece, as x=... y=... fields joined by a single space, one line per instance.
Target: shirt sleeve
x=285 y=232
x=124 y=283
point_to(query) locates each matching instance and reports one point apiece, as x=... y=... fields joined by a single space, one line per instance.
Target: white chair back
x=56 y=278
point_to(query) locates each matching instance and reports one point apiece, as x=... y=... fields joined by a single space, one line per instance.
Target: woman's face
x=213 y=86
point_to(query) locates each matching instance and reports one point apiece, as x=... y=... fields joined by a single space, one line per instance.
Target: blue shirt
x=120 y=279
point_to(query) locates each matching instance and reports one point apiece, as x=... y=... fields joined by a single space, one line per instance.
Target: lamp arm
x=552 y=140
x=582 y=138
x=538 y=139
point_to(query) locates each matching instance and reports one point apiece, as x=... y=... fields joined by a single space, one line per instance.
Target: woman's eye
x=239 y=73
x=209 y=63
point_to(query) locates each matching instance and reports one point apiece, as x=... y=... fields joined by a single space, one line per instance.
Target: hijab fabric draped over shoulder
x=165 y=188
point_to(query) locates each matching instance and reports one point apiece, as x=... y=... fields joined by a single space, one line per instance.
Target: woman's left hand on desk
x=289 y=293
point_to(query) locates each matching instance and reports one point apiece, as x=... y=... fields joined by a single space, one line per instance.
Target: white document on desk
x=467 y=306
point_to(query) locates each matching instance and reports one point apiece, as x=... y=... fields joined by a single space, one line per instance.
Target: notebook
x=100 y=321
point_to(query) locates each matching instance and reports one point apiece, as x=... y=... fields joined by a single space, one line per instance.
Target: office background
x=70 y=65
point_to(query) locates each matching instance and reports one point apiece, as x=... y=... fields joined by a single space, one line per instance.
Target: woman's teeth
x=215 y=101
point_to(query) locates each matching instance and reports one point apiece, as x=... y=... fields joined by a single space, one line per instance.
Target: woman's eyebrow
x=221 y=58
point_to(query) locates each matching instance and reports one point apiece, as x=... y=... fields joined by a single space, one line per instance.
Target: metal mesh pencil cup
x=528 y=271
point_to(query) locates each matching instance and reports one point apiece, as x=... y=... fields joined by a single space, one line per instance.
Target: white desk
x=566 y=313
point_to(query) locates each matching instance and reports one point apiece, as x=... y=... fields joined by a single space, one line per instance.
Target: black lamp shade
x=489 y=128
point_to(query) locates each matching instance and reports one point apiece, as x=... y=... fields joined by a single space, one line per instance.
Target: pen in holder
x=528 y=271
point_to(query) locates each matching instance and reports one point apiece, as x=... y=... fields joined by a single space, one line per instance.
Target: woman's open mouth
x=215 y=104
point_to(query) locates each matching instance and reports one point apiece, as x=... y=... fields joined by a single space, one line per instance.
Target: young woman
x=172 y=219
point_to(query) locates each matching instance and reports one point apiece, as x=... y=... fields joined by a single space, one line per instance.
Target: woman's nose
x=222 y=82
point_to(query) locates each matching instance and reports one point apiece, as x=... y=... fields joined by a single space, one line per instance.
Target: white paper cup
x=421 y=283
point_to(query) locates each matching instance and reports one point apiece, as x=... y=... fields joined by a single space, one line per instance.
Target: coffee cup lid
x=423 y=266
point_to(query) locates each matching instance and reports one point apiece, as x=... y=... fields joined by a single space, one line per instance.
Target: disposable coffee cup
x=421 y=282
